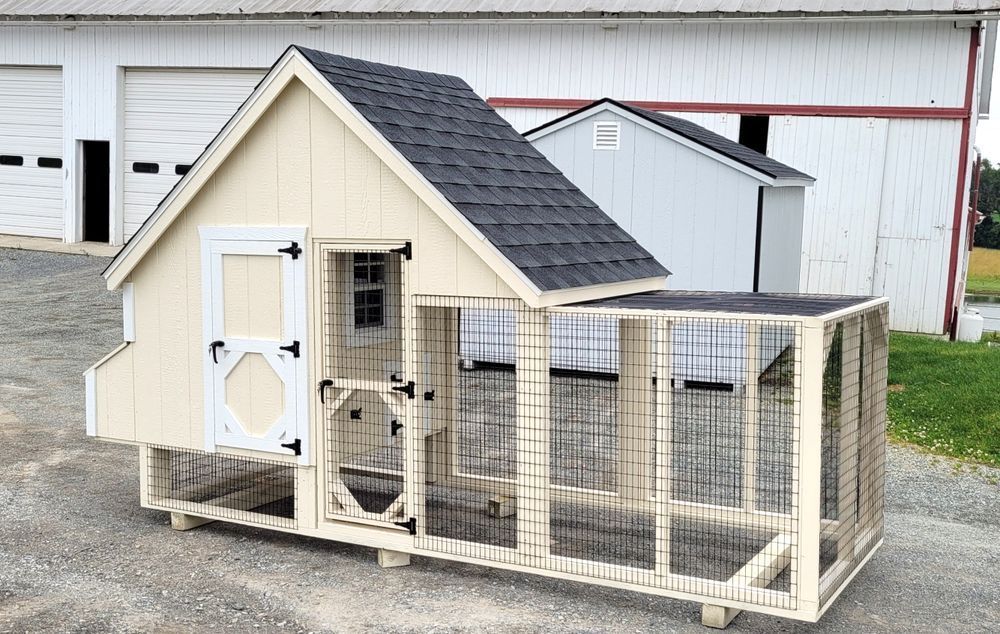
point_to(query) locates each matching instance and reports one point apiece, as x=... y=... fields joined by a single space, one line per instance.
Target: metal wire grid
x=573 y=457
x=363 y=364
x=853 y=465
x=253 y=490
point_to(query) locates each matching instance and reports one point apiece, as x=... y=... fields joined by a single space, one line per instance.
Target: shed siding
x=661 y=192
x=274 y=177
x=780 y=239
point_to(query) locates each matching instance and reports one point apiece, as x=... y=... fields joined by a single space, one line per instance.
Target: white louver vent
x=607 y=135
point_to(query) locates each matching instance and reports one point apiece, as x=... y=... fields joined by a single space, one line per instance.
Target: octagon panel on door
x=255 y=349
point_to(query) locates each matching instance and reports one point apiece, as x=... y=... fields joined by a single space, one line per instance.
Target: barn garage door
x=170 y=116
x=31 y=175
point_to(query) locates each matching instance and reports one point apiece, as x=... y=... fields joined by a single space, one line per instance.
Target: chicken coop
x=293 y=358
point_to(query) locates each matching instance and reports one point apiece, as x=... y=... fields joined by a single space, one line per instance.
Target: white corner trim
x=128 y=311
x=90 y=385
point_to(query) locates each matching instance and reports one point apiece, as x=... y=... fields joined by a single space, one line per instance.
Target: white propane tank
x=970 y=325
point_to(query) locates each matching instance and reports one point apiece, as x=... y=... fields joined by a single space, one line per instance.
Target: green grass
x=945 y=397
x=984 y=272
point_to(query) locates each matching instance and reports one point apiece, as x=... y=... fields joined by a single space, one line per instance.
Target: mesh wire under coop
x=646 y=450
x=221 y=485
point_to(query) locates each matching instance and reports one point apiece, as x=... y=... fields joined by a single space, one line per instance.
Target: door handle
x=212 y=347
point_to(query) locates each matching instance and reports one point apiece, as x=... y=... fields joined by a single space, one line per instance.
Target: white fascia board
x=793 y=182
x=189 y=184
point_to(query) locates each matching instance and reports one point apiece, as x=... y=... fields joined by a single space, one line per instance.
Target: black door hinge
x=410 y=525
x=395 y=426
x=212 y=347
x=405 y=389
x=325 y=383
x=295 y=445
x=294 y=349
x=429 y=396
x=406 y=250
x=293 y=250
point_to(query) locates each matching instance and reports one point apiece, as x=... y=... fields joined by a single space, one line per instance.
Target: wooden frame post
x=847 y=469
x=751 y=404
x=809 y=429
x=664 y=446
x=533 y=438
x=635 y=346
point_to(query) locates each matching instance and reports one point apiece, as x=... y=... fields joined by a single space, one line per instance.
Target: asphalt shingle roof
x=702 y=136
x=523 y=204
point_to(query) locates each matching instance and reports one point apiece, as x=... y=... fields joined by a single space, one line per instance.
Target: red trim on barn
x=950 y=306
x=888 y=112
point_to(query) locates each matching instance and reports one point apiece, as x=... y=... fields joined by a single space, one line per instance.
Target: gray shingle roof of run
x=784 y=304
x=705 y=137
x=534 y=215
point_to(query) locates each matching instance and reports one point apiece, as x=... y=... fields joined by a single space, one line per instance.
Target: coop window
x=369 y=308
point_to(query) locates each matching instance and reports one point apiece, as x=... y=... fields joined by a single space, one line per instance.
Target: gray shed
x=718 y=214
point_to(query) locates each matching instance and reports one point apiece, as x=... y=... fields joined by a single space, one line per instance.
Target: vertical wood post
x=533 y=441
x=809 y=429
x=751 y=410
x=664 y=446
x=634 y=408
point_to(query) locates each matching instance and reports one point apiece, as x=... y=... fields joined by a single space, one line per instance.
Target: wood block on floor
x=392 y=558
x=717 y=616
x=185 y=522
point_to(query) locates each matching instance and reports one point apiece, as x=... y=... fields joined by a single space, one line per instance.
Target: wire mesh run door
x=365 y=391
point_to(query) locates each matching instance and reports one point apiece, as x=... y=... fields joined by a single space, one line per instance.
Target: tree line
x=988 y=232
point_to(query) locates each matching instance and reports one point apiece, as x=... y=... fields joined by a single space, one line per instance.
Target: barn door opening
x=255 y=340
x=94 y=200
x=365 y=391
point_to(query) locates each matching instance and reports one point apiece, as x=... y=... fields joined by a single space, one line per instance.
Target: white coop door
x=255 y=342
x=170 y=116
x=31 y=141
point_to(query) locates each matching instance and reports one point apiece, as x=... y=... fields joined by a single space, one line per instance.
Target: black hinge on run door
x=405 y=389
x=295 y=446
x=294 y=349
x=410 y=525
x=406 y=250
x=293 y=250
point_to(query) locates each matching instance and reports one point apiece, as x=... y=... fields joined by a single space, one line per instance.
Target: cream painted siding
x=31 y=197
x=887 y=63
x=299 y=166
x=170 y=116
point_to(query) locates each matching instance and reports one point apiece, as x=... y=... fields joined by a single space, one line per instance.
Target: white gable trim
x=677 y=138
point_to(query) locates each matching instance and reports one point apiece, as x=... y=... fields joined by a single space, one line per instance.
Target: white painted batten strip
x=90 y=384
x=128 y=312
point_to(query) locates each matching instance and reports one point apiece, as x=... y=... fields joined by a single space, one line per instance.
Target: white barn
x=105 y=104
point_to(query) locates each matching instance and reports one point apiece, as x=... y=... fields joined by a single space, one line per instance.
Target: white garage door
x=170 y=116
x=31 y=175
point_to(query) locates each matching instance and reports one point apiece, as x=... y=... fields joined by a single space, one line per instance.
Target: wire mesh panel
x=364 y=393
x=853 y=454
x=222 y=485
x=644 y=449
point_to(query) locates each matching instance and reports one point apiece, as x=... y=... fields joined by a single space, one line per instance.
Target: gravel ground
x=77 y=553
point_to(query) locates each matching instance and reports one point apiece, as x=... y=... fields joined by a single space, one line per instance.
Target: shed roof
x=365 y=9
x=691 y=131
x=784 y=304
x=540 y=221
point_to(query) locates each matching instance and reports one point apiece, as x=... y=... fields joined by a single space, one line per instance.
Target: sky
x=988 y=130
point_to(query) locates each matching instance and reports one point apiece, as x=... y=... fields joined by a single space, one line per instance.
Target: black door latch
x=405 y=389
x=294 y=349
x=356 y=414
x=293 y=250
x=215 y=345
x=325 y=383
x=429 y=396
x=295 y=445
x=395 y=426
